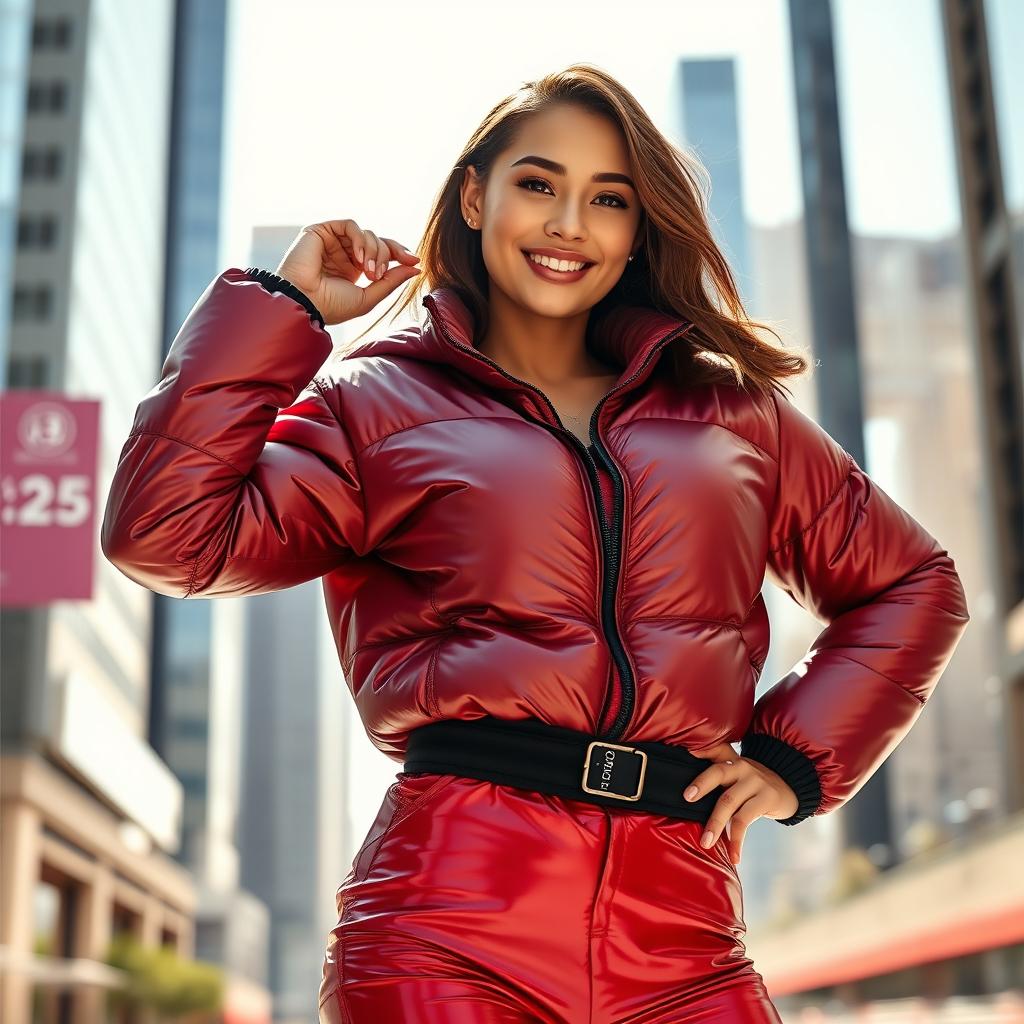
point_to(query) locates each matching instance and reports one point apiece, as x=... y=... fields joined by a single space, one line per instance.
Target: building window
x=51 y=33
x=37 y=232
x=32 y=302
x=125 y=921
x=26 y=371
x=41 y=163
x=47 y=97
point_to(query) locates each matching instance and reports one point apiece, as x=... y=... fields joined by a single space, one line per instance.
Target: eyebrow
x=557 y=168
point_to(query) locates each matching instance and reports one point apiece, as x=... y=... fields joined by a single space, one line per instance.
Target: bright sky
x=339 y=110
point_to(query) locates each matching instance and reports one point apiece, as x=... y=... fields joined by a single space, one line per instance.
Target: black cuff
x=793 y=766
x=274 y=283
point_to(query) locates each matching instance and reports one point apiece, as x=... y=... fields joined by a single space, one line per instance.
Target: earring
x=631 y=257
x=470 y=223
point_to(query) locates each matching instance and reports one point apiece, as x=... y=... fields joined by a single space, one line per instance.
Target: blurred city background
x=185 y=783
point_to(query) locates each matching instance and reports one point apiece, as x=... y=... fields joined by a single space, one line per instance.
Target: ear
x=472 y=194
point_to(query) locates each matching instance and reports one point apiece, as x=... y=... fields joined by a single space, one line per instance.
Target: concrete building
x=90 y=817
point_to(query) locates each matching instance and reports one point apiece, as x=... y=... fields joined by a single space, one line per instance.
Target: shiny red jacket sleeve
x=237 y=476
x=894 y=610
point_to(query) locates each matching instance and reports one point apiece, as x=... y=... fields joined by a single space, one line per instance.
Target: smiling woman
x=543 y=557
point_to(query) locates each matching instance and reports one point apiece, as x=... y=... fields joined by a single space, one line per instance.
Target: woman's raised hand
x=327 y=259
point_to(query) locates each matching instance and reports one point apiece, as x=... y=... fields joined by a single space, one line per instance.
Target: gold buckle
x=605 y=792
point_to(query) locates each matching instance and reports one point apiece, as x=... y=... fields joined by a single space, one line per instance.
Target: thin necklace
x=577 y=419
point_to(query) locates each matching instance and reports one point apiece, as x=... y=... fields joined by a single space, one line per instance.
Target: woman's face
x=529 y=204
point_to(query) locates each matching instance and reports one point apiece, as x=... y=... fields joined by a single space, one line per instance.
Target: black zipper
x=611 y=538
x=614 y=551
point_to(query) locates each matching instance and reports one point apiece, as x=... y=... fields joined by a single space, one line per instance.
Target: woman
x=543 y=519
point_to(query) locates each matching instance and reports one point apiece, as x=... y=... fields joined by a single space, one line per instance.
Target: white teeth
x=562 y=265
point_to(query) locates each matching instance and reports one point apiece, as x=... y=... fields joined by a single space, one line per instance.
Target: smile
x=554 y=275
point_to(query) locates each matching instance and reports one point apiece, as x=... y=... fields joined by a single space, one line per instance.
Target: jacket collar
x=625 y=336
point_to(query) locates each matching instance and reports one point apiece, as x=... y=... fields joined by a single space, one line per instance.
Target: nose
x=567 y=224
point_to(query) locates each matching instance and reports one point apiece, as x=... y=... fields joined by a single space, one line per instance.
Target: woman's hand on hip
x=752 y=791
x=326 y=259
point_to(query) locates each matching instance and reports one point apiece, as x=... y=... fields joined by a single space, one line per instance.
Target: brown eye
x=523 y=183
x=619 y=203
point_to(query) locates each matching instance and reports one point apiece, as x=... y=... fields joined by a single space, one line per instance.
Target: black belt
x=530 y=754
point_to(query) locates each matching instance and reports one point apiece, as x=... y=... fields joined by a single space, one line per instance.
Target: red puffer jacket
x=479 y=560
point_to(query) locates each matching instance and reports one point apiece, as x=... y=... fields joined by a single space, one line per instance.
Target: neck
x=542 y=349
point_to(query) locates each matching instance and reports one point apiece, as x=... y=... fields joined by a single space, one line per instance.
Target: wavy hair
x=692 y=279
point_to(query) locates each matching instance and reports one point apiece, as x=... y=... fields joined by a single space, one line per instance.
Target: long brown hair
x=692 y=278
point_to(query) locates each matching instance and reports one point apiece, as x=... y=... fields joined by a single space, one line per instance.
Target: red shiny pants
x=471 y=902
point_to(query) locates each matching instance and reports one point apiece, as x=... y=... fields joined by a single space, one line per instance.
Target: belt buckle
x=605 y=792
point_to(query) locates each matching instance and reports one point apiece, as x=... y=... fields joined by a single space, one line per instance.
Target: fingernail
x=705 y=840
x=370 y=264
x=690 y=793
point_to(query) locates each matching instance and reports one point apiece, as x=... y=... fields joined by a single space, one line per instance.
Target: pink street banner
x=48 y=459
